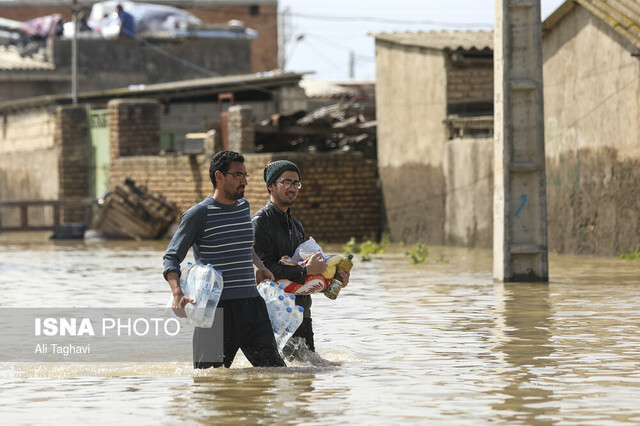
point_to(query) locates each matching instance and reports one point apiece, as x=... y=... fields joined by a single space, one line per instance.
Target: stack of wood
x=131 y=212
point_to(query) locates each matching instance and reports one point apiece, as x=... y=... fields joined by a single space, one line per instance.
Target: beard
x=286 y=199
x=234 y=194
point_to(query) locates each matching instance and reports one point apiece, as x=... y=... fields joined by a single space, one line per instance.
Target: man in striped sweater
x=220 y=233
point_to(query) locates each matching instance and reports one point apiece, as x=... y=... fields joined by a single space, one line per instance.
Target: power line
x=392 y=21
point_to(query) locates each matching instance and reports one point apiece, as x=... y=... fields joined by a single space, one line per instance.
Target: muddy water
x=435 y=342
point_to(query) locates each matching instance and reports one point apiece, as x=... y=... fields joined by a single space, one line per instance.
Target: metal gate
x=99 y=152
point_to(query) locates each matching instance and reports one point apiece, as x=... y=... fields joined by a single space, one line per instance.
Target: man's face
x=234 y=181
x=283 y=193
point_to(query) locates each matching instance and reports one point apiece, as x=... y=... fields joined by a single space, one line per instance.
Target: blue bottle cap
x=292 y=296
x=300 y=308
x=289 y=310
x=281 y=297
x=210 y=266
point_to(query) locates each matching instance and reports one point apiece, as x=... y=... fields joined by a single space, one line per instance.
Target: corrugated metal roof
x=441 y=40
x=621 y=15
x=10 y=60
x=262 y=82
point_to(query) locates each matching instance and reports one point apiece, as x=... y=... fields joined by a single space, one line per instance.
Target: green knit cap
x=275 y=169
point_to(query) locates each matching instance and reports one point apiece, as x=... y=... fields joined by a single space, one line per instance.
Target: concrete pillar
x=241 y=129
x=520 y=251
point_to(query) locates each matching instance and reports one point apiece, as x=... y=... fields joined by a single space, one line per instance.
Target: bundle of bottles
x=204 y=285
x=285 y=316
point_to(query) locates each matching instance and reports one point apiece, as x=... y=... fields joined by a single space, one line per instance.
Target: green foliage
x=366 y=258
x=371 y=247
x=418 y=253
x=634 y=255
x=351 y=246
x=442 y=260
x=385 y=239
x=367 y=247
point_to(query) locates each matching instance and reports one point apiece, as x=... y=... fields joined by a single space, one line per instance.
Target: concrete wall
x=189 y=117
x=340 y=198
x=592 y=137
x=411 y=106
x=469 y=201
x=28 y=162
x=105 y=64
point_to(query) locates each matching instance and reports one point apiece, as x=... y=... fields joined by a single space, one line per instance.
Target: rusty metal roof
x=441 y=40
x=11 y=60
x=621 y=15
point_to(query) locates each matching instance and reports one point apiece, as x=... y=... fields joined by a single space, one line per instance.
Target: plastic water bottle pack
x=204 y=285
x=285 y=316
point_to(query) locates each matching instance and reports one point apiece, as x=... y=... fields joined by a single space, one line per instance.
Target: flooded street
x=438 y=343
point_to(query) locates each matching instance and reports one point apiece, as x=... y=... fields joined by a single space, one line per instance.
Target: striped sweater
x=221 y=235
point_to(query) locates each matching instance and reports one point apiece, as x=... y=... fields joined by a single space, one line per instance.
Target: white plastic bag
x=306 y=249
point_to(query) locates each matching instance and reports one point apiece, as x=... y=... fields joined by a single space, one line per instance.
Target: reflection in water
x=247 y=395
x=523 y=318
x=432 y=343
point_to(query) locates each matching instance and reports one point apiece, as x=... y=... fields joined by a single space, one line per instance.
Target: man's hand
x=179 y=302
x=316 y=264
x=344 y=277
x=263 y=274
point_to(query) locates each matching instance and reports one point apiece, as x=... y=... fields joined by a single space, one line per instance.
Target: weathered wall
x=469 y=202
x=16 y=87
x=340 y=197
x=28 y=161
x=189 y=117
x=592 y=137
x=411 y=106
x=105 y=64
x=264 y=20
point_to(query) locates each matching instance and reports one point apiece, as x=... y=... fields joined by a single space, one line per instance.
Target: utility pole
x=283 y=36
x=74 y=53
x=520 y=250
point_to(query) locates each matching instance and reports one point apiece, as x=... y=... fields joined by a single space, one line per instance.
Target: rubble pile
x=336 y=126
x=131 y=212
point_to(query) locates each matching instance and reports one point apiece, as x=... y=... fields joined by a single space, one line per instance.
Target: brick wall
x=134 y=127
x=340 y=198
x=469 y=85
x=72 y=138
x=264 y=49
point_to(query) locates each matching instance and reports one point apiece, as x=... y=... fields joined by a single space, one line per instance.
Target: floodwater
x=437 y=343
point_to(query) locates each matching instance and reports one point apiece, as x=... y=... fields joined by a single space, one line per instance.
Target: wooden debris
x=130 y=212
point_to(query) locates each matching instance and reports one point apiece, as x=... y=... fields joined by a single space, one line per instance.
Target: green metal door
x=99 y=152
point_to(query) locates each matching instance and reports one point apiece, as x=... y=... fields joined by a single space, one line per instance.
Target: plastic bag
x=306 y=249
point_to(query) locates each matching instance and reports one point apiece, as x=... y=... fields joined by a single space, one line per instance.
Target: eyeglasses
x=289 y=183
x=237 y=175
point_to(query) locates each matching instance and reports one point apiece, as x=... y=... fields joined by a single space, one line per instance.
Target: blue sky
x=325 y=42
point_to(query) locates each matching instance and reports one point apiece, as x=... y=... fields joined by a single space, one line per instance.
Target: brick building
x=52 y=150
x=260 y=15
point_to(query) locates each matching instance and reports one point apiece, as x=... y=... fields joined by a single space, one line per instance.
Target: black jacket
x=277 y=234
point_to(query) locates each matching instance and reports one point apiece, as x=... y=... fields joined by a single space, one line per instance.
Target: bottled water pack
x=204 y=285
x=285 y=316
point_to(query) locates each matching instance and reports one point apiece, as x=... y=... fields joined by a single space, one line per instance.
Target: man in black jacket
x=278 y=234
